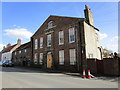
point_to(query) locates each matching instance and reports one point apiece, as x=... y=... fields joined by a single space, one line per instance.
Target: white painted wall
x=91 y=42
x=7 y=56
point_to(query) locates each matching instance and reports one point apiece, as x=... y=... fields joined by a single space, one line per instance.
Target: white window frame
x=61 y=57
x=36 y=43
x=90 y=55
x=50 y=24
x=72 y=53
x=41 y=42
x=25 y=50
x=35 y=58
x=41 y=58
x=49 y=38
x=61 y=36
x=15 y=53
x=71 y=32
x=19 y=51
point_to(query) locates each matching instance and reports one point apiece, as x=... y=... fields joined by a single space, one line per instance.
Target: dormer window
x=50 y=24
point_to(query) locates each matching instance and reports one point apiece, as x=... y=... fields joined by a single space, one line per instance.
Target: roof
x=62 y=20
x=23 y=46
x=8 y=49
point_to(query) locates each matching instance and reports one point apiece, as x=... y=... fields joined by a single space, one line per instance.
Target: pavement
x=17 y=77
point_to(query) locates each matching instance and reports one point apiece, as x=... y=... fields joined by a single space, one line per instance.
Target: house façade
x=66 y=42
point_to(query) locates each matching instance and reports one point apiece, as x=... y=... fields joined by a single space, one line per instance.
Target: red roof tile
x=8 y=49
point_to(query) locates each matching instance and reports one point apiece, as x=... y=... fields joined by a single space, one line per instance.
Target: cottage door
x=49 y=60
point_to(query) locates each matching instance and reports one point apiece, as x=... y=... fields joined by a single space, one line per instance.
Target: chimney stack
x=19 y=41
x=8 y=45
x=4 y=47
x=88 y=15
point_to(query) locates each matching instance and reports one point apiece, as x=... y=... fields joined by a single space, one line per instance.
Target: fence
x=107 y=66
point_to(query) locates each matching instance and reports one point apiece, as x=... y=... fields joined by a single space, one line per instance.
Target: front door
x=49 y=60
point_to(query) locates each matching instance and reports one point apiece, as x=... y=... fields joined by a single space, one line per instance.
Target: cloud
x=115 y=38
x=112 y=44
x=1 y=46
x=18 y=33
x=103 y=35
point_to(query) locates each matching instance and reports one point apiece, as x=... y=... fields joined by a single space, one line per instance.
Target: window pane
x=41 y=58
x=61 y=38
x=71 y=35
x=50 y=24
x=72 y=56
x=35 y=58
x=49 y=40
x=36 y=43
x=61 y=57
x=41 y=42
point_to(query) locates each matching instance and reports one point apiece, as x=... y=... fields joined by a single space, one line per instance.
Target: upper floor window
x=41 y=58
x=61 y=57
x=36 y=43
x=72 y=54
x=71 y=35
x=50 y=24
x=20 y=52
x=61 y=37
x=25 y=50
x=15 y=53
x=49 y=40
x=41 y=42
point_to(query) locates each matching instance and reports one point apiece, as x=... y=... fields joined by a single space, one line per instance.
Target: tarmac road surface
x=13 y=77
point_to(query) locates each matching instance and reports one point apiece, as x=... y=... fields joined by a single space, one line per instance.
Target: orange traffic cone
x=83 y=76
x=89 y=75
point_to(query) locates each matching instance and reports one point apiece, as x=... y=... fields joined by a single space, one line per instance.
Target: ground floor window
x=35 y=58
x=41 y=58
x=61 y=57
x=72 y=54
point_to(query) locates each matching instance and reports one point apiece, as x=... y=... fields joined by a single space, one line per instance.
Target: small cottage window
x=25 y=50
x=20 y=52
x=15 y=53
x=50 y=24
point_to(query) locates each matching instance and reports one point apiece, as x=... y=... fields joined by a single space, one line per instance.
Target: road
x=13 y=77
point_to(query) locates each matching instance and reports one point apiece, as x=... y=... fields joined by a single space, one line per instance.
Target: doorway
x=49 y=60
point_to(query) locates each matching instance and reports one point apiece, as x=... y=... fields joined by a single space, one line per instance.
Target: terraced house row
x=63 y=43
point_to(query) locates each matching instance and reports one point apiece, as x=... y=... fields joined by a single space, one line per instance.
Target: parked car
x=1 y=63
x=8 y=63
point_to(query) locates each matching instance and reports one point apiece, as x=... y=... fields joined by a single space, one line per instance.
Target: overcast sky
x=22 y=19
